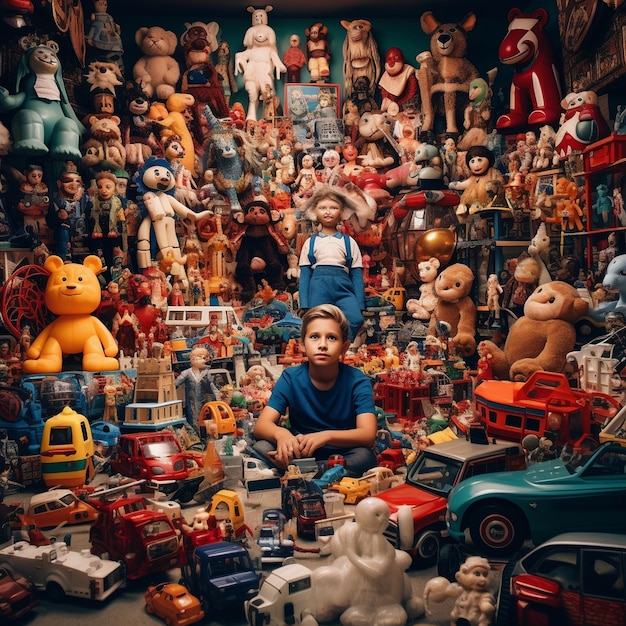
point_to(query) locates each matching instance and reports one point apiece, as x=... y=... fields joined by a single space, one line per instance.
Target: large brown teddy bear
x=542 y=337
x=455 y=307
x=72 y=293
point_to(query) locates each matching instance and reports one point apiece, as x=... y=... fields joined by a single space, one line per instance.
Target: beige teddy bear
x=542 y=337
x=156 y=72
x=455 y=307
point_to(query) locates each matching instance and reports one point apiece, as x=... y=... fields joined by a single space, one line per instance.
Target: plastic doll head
x=394 y=61
x=294 y=41
x=105 y=184
x=34 y=174
x=330 y=158
x=307 y=161
x=479 y=160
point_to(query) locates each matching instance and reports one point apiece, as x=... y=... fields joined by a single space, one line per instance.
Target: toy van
x=285 y=597
x=67 y=450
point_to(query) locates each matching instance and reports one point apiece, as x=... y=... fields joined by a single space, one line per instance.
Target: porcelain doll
x=104 y=34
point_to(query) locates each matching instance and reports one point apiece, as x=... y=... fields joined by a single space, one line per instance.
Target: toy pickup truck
x=62 y=572
x=429 y=480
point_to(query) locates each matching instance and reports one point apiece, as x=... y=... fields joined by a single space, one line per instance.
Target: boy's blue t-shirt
x=312 y=410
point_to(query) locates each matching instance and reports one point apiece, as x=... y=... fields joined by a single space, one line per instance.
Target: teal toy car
x=504 y=509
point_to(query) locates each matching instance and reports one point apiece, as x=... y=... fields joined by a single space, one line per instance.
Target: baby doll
x=484 y=180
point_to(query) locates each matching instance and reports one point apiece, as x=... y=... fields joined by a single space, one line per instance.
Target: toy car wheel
x=449 y=561
x=55 y=592
x=149 y=609
x=427 y=549
x=497 y=530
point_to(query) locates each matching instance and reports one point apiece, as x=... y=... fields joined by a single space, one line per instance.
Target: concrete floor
x=126 y=607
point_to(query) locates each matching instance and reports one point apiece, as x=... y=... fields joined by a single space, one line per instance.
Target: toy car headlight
x=158 y=471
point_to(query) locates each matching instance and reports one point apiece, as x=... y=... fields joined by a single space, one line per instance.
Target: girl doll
x=331 y=266
x=484 y=178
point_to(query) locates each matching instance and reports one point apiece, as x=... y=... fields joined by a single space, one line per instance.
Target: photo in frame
x=311 y=107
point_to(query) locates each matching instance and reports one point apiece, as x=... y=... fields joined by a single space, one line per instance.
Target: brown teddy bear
x=455 y=307
x=542 y=337
x=73 y=293
x=157 y=71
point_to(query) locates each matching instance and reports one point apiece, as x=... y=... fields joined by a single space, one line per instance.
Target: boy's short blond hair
x=329 y=312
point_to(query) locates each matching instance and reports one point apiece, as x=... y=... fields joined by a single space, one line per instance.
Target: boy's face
x=323 y=343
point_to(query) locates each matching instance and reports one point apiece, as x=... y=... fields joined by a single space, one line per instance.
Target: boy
x=330 y=404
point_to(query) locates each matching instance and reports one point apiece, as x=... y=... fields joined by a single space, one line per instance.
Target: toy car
x=574 y=578
x=275 y=547
x=354 y=489
x=381 y=479
x=17 y=595
x=428 y=483
x=503 y=509
x=59 y=506
x=173 y=603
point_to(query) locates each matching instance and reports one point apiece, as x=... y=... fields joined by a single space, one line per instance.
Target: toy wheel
x=497 y=529
x=55 y=592
x=427 y=550
x=149 y=609
x=449 y=560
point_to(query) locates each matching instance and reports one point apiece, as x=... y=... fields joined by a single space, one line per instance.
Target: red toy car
x=17 y=595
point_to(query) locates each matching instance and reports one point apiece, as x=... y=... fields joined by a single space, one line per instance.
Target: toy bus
x=67 y=450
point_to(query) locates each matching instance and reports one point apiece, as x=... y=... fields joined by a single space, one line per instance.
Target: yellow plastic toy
x=73 y=293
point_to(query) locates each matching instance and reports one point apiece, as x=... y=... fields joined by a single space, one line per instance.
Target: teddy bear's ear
x=93 y=263
x=53 y=263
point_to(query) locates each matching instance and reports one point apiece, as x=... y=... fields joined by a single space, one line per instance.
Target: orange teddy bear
x=73 y=293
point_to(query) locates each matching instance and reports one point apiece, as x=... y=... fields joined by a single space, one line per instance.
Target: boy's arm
x=267 y=428
x=303 y=286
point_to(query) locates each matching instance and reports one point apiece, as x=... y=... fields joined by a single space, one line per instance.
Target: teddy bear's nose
x=70 y=287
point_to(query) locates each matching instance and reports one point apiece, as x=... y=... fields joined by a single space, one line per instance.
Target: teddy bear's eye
x=80 y=279
x=457 y=284
x=552 y=300
x=64 y=279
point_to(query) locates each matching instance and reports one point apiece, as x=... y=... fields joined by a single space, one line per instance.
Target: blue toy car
x=502 y=510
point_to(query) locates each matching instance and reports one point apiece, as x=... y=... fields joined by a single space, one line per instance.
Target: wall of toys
x=176 y=162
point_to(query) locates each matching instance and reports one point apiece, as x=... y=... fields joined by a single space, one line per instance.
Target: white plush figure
x=259 y=61
x=427 y=273
x=366 y=583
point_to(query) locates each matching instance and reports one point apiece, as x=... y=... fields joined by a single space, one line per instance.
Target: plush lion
x=542 y=337
x=72 y=293
x=455 y=307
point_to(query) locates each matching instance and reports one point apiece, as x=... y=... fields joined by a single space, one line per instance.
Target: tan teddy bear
x=156 y=72
x=72 y=293
x=542 y=337
x=455 y=307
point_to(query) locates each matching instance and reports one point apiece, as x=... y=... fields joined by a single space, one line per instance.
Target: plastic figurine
x=44 y=122
x=294 y=59
x=398 y=83
x=528 y=48
x=75 y=330
x=35 y=201
x=318 y=52
x=331 y=267
x=483 y=176
x=474 y=603
x=259 y=61
x=423 y=307
x=581 y=124
x=104 y=34
x=224 y=68
x=477 y=113
x=366 y=583
x=360 y=55
x=603 y=205
x=156 y=184
x=199 y=385
x=494 y=290
x=413 y=357
x=106 y=208
x=201 y=79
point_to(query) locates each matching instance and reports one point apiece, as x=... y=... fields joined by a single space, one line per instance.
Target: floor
x=127 y=606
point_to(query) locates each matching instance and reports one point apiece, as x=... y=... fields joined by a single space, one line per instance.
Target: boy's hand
x=287 y=448
x=311 y=442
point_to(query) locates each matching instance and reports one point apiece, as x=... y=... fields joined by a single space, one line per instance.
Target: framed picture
x=308 y=101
